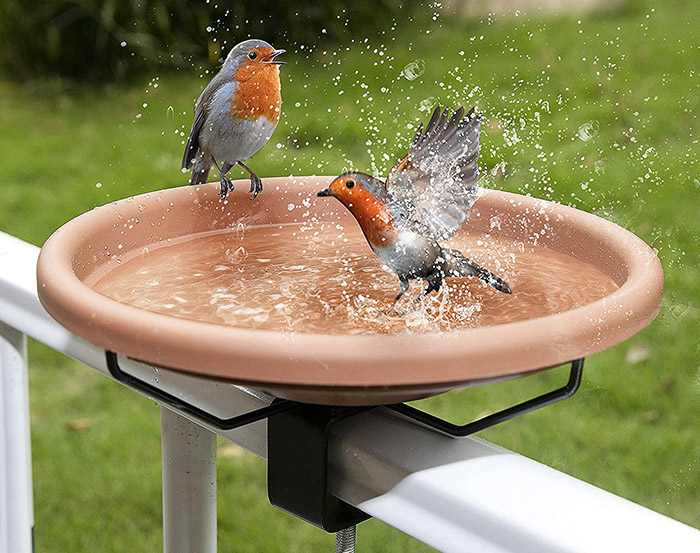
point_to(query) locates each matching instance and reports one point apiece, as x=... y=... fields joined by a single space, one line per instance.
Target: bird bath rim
x=343 y=369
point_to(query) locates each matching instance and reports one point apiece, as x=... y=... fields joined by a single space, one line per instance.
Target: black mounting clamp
x=297 y=465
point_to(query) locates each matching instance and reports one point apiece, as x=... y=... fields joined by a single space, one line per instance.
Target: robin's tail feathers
x=459 y=266
x=190 y=154
x=200 y=172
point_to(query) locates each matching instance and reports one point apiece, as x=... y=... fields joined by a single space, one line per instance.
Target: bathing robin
x=424 y=200
x=236 y=114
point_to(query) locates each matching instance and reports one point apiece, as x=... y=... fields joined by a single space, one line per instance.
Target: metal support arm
x=175 y=402
x=501 y=416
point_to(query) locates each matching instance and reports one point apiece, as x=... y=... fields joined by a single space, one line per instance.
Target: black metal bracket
x=162 y=396
x=501 y=416
x=298 y=436
x=297 y=465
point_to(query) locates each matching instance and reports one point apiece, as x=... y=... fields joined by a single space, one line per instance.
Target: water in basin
x=325 y=279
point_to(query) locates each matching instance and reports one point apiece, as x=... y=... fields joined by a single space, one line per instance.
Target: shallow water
x=297 y=279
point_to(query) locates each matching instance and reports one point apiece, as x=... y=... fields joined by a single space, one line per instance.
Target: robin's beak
x=270 y=58
x=325 y=192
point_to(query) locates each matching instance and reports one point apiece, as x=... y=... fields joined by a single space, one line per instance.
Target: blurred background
x=593 y=104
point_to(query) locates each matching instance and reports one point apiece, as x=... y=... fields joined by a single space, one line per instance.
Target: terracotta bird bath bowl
x=295 y=303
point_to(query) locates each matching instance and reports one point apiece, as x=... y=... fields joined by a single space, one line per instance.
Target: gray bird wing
x=201 y=112
x=433 y=186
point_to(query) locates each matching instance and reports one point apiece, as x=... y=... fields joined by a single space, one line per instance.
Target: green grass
x=632 y=429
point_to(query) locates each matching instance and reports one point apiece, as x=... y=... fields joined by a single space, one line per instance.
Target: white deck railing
x=453 y=494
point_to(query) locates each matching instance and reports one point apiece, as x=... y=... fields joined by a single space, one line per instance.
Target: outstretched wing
x=433 y=186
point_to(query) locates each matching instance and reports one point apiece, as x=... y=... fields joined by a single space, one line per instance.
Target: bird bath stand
x=319 y=381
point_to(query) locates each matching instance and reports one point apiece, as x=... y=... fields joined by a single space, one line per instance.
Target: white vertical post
x=189 y=485
x=16 y=503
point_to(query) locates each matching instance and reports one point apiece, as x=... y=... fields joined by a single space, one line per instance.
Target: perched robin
x=424 y=200
x=236 y=114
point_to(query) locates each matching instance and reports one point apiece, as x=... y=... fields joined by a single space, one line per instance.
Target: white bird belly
x=229 y=139
x=411 y=254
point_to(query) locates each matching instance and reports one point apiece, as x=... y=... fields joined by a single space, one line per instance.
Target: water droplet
x=588 y=130
x=414 y=69
x=142 y=207
x=238 y=256
x=678 y=309
x=428 y=104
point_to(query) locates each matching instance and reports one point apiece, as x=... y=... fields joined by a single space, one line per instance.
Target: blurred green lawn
x=599 y=113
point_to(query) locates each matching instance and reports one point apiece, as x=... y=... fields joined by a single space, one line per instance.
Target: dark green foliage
x=112 y=39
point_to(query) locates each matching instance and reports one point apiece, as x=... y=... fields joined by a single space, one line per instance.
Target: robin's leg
x=404 y=287
x=226 y=183
x=434 y=283
x=255 y=182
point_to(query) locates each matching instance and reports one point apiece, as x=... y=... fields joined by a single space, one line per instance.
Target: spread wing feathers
x=433 y=186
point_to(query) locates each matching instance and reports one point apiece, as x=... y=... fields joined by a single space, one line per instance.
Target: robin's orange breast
x=375 y=219
x=258 y=96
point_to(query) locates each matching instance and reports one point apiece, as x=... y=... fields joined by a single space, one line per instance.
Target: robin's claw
x=226 y=185
x=255 y=181
x=256 y=186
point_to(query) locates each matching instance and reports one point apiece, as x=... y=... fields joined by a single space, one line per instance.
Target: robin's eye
x=252 y=55
x=350 y=184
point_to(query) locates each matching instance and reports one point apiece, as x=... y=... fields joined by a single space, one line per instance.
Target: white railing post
x=16 y=502
x=189 y=485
